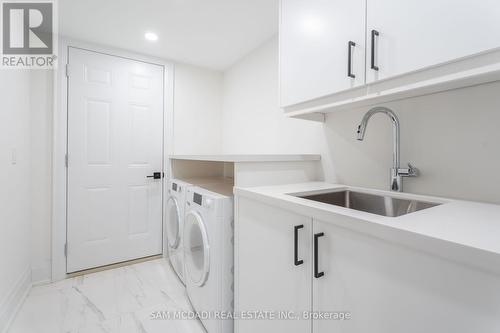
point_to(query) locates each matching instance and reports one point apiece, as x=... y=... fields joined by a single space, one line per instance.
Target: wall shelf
x=247 y=170
x=238 y=158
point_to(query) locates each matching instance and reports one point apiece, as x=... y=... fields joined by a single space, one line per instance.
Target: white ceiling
x=208 y=33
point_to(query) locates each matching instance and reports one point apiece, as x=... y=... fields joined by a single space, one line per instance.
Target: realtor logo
x=28 y=34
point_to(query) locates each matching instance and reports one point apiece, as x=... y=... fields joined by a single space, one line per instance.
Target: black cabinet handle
x=374 y=35
x=350 y=45
x=296 y=260
x=317 y=274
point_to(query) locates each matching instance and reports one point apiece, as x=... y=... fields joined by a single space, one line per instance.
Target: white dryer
x=174 y=224
x=208 y=256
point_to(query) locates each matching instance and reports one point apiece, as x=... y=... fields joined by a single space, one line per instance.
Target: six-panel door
x=322 y=48
x=115 y=141
x=415 y=34
x=273 y=268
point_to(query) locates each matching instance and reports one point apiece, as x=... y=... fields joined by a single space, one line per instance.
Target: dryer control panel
x=197 y=198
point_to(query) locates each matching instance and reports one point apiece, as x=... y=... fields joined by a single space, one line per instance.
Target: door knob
x=155 y=175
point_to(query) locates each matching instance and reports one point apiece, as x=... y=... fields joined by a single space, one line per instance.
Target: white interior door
x=115 y=140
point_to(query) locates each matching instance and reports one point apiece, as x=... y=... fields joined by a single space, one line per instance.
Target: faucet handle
x=411 y=171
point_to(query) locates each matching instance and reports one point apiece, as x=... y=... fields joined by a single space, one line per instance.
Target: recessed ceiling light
x=151 y=36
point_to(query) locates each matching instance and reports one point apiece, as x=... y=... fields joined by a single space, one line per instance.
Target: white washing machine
x=208 y=256
x=174 y=224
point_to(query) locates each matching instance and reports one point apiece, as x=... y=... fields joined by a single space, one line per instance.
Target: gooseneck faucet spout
x=395 y=131
x=396 y=172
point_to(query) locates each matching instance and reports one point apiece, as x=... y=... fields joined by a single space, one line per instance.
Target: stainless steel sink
x=371 y=203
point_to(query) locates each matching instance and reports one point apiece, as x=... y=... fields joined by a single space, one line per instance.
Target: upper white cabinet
x=405 y=36
x=322 y=48
x=338 y=54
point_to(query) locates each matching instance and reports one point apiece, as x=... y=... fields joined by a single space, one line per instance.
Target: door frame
x=60 y=139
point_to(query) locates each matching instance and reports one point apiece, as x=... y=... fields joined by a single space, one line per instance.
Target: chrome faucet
x=397 y=173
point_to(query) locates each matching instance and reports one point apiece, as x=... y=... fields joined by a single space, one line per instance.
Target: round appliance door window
x=173 y=223
x=196 y=249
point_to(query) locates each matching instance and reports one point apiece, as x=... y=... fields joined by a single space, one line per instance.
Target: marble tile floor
x=122 y=300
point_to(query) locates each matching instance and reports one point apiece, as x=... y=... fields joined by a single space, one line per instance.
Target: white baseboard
x=14 y=300
x=41 y=274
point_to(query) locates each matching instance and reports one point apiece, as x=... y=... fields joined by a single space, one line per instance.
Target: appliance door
x=197 y=249
x=173 y=223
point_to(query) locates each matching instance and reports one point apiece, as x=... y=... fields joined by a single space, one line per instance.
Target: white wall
x=452 y=137
x=15 y=186
x=41 y=172
x=197 y=110
x=252 y=121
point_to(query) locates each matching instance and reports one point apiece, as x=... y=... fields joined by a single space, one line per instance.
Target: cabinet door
x=314 y=48
x=267 y=277
x=390 y=288
x=415 y=34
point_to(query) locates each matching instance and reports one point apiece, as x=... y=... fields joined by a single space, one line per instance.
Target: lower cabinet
x=273 y=268
x=351 y=282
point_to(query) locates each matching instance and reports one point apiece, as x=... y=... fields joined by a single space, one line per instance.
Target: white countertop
x=462 y=231
x=249 y=157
